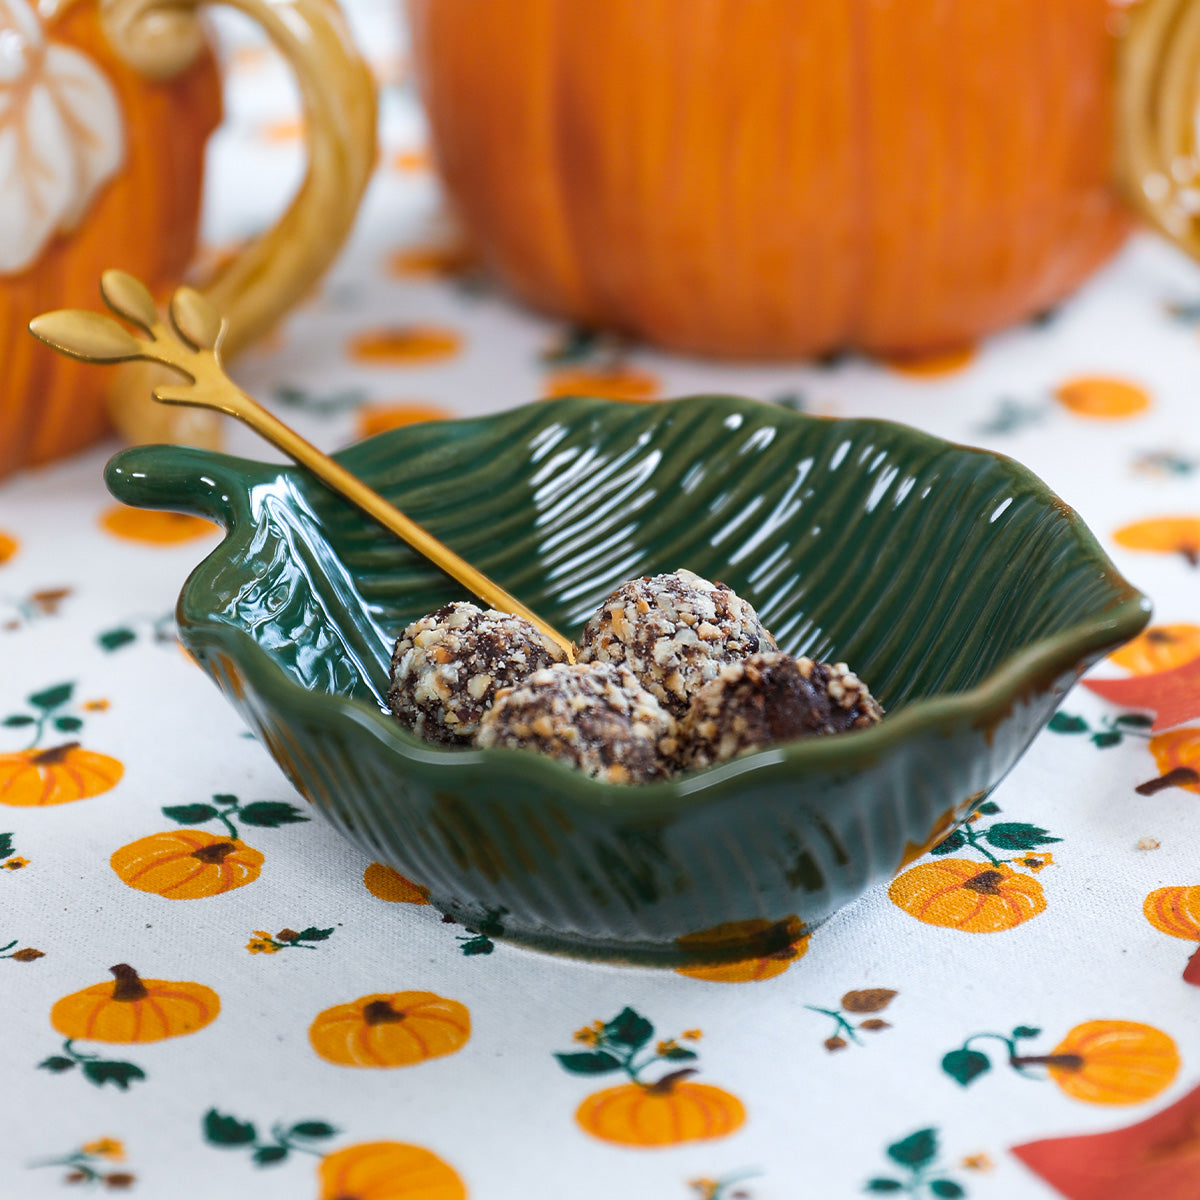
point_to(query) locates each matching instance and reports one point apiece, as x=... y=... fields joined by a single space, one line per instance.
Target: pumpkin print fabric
x=204 y=985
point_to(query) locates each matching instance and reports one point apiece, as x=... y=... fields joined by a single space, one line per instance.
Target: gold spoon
x=190 y=344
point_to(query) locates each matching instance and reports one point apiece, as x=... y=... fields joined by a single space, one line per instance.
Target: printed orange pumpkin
x=388 y=1171
x=1175 y=749
x=635 y=387
x=397 y=1029
x=1163 y=535
x=60 y=775
x=748 y=970
x=405 y=344
x=154 y=528
x=662 y=1114
x=135 y=1009
x=1159 y=648
x=186 y=864
x=1175 y=910
x=935 y=366
x=1102 y=397
x=974 y=897
x=380 y=418
x=387 y=884
x=1118 y=1062
x=782 y=178
x=8 y=546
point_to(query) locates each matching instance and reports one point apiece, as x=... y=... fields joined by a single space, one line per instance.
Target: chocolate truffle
x=674 y=632
x=448 y=666
x=769 y=698
x=596 y=717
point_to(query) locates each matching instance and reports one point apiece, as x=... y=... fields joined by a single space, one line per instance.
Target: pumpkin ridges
x=1175 y=911
x=1124 y=1062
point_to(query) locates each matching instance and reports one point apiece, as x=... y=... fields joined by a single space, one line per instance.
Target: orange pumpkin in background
x=397 y=1029
x=108 y=105
x=1114 y=1062
x=973 y=897
x=787 y=177
x=134 y=1009
x=662 y=1114
x=388 y=1171
x=186 y=864
x=59 y=775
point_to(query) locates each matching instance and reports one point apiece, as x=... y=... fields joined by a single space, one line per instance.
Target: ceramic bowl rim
x=1121 y=618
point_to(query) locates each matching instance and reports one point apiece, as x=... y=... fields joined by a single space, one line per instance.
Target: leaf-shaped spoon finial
x=189 y=343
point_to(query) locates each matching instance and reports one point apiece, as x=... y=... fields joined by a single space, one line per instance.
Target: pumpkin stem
x=665 y=1085
x=215 y=852
x=128 y=986
x=1179 y=777
x=987 y=883
x=47 y=758
x=381 y=1012
x=1066 y=1062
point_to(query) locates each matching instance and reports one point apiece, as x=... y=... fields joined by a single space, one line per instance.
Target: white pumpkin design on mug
x=61 y=136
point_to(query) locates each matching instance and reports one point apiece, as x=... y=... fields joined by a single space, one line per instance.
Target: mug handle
x=1158 y=161
x=159 y=38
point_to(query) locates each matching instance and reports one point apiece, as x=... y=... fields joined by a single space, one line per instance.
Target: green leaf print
x=597 y=1063
x=965 y=1065
x=224 y=1130
x=916 y=1150
x=1010 y=835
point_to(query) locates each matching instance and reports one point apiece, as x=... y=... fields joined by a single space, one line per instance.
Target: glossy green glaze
x=966 y=594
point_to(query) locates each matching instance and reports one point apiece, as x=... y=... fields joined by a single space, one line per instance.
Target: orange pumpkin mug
x=784 y=178
x=105 y=108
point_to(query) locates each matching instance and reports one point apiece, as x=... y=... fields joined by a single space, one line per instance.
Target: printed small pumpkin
x=1175 y=910
x=59 y=775
x=134 y=1009
x=152 y=527
x=388 y=1171
x=766 y=179
x=665 y=1113
x=1178 y=749
x=747 y=970
x=1163 y=535
x=1114 y=1062
x=386 y=884
x=397 y=1029
x=974 y=897
x=186 y=864
x=1159 y=648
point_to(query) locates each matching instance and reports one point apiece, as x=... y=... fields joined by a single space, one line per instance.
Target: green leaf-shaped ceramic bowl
x=966 y=594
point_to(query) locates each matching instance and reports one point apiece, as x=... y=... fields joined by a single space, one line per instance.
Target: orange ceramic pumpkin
x=782 y=177
x=186 y=864
x=1175 y=910
x=135 y=1009
x=635 y=1114
x=38 y=778
x=107 y=107
x=390 y=1030
x=974 y=897
x=1114 y=1062
x=388 y=1171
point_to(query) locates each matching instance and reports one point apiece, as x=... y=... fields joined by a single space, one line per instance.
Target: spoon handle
x=190 y=345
